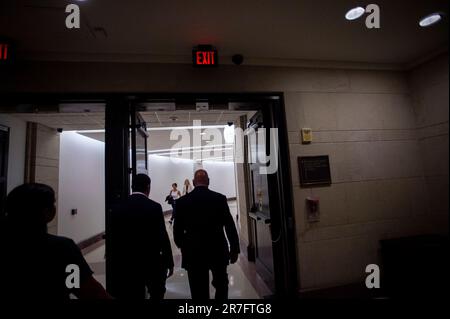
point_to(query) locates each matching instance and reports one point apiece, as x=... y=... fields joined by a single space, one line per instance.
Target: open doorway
x=125 y=135
x=180 y=141
x=263 y=204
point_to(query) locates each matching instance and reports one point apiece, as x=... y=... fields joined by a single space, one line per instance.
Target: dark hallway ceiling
x=264 y=31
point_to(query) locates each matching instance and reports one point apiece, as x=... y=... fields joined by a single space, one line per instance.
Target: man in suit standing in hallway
x=141 y=252
x=202 y=216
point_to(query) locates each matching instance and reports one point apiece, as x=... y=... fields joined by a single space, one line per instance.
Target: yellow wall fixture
x=306 y=135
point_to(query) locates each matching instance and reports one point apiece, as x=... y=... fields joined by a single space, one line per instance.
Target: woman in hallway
x=174 y=194
x=187 y=188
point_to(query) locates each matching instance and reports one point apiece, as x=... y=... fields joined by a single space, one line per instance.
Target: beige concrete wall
x=430 y=92
x=376 y=173
x=364 y=120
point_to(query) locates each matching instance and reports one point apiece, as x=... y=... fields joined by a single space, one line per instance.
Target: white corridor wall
x=221 y=177
x=82 y=183
x=81 y=186
x=164 y=171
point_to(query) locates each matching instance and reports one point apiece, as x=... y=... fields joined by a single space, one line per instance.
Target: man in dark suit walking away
x=202 y=216
x=141 y=252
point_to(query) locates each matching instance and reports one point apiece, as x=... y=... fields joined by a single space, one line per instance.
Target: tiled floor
x=177 y=286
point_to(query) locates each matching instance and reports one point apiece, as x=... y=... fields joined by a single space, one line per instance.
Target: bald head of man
x=201 y=178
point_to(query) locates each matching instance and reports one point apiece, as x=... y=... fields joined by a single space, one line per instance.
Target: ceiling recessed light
x=354 y=13
x=430 y=19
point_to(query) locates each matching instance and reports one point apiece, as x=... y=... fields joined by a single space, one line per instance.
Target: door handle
x=254 y=216
x=260 y=217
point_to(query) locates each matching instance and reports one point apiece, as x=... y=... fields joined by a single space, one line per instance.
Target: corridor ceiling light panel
x=184 y=127
x=81 y=107
x=163 y=128
x=87 y=131
x=354 y=13
x=190 y=148
x=158 y=106
x=218 y=149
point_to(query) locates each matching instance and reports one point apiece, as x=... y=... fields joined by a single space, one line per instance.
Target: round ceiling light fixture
x=354 y=13
x=430 y=19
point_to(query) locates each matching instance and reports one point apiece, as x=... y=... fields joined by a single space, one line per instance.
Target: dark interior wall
x=430 y=95
x=363 y=119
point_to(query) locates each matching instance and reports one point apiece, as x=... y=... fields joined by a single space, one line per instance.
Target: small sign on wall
x=314 y=170
x=205 y=56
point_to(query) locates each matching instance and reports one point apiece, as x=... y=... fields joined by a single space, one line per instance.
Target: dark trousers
x=174 y=206
x=199 y=282
x=131 y=287
x=156 y=284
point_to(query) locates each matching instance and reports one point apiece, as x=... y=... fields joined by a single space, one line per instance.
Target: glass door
x=138 y=149
x=260 y=211
x=125 y=156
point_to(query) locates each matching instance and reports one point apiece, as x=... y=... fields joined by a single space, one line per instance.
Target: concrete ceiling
x=66 y=121
x=264 y=31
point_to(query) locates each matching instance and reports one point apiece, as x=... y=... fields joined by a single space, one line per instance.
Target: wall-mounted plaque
x=314 y=170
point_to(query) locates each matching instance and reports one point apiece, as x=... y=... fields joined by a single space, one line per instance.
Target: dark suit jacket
x=139 y=239
x=202 y=215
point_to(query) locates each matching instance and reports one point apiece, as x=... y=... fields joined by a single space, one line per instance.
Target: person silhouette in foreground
x=202 y=216
x=35 y=264
x=141 y=251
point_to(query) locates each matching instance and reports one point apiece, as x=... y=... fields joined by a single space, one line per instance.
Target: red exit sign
x=5 y=52
x=204 y=56
x=4 y=47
